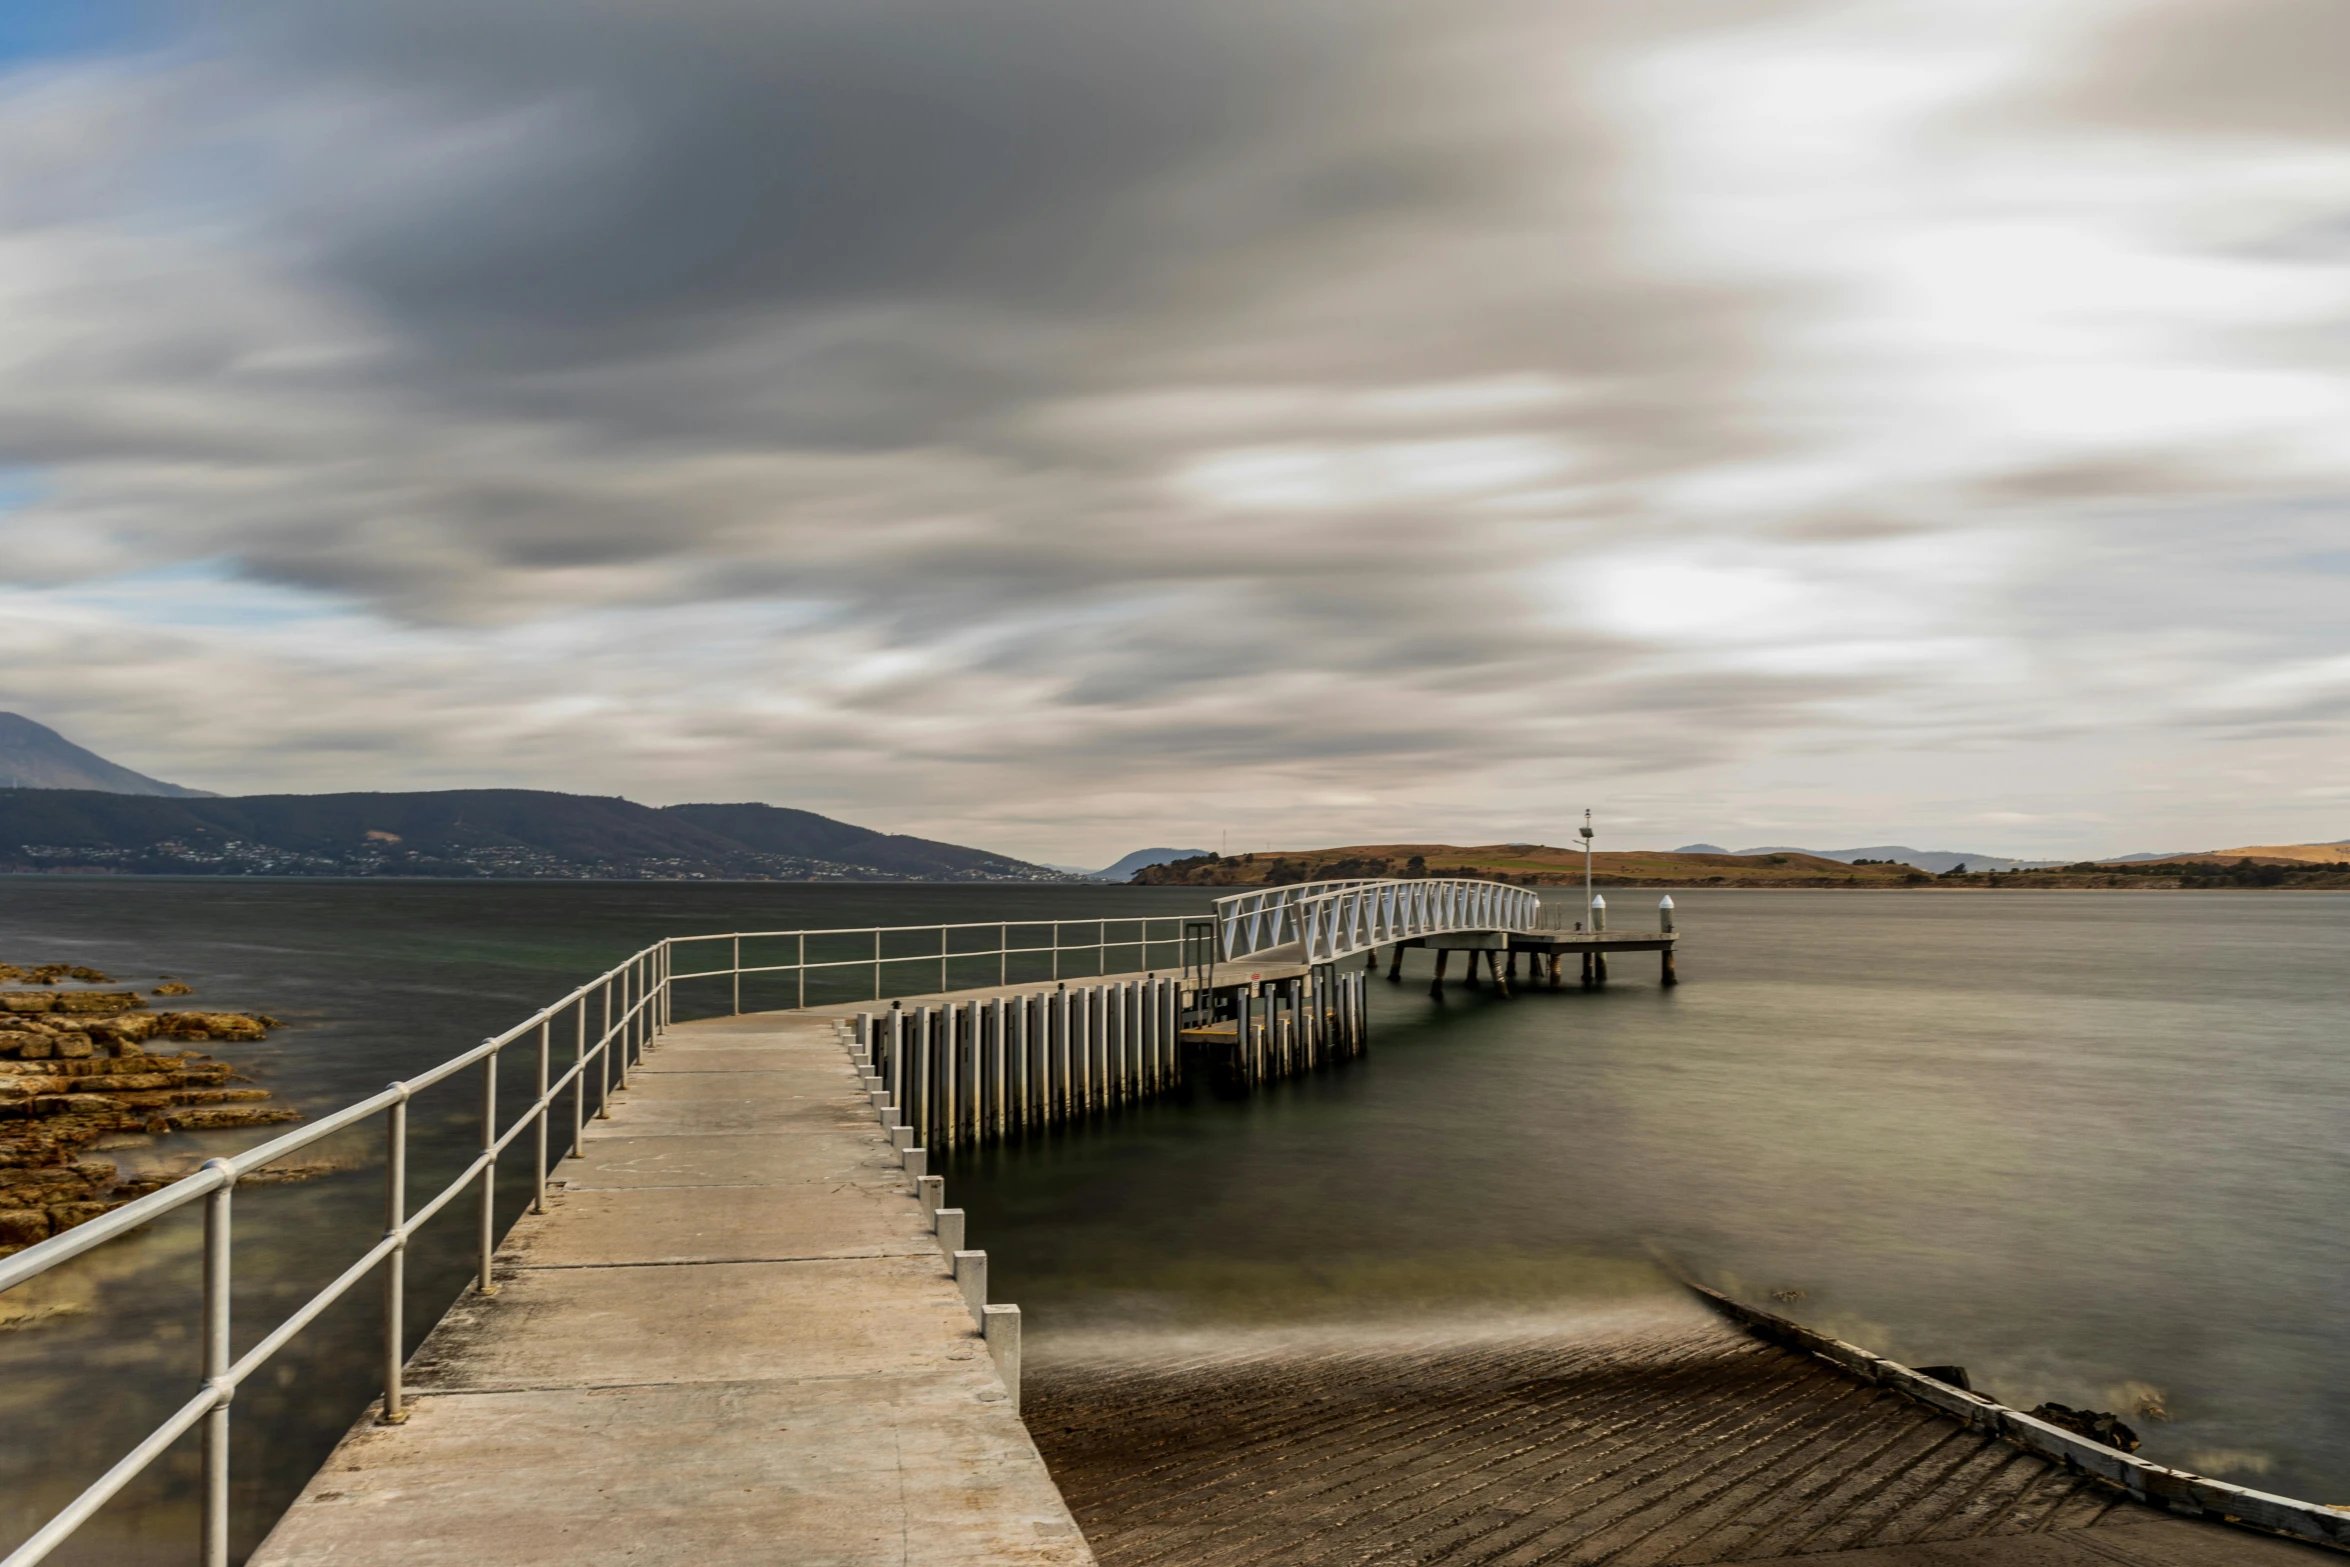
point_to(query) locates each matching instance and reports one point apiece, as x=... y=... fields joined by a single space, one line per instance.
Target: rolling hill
x=468 y=832
x=1529 y=864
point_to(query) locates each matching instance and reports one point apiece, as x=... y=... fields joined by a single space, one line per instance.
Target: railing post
x=216 y=1364
x=489 y=1169
x=1003 y=954
x=877 y=963
x=604 y=1059
x=395 y=1265
x=801 y=970
x=538 y=1188
x=579 y=1076
x=738 y=976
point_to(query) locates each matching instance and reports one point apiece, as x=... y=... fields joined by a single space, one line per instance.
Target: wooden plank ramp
x=1649 y=1437
x=731 y=1339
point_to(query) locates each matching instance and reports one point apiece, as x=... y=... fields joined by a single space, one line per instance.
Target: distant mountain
x=1936 y=860
x=779 y=830
x=1126 y=867
x=468 y=832
x=35 y=756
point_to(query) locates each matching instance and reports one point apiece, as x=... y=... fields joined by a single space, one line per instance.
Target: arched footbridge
x=1324 y=922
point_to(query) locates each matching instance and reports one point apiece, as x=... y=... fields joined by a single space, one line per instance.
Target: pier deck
x=731 y=1339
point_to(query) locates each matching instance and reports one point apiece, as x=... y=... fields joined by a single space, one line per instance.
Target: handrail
x=602 y=1054
x=626 y=1024
x=1329 y=920
x=623 y=1035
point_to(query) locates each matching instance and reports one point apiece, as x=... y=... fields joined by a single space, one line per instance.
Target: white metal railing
x=610 y=1021
x=631 y=1003
x=1329 y=920
x=905 y=959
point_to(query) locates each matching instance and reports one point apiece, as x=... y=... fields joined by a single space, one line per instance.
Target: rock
x=211 y=1025
x=75 y=1047
x=2095 y=1424
x=213 y=1117
x=37 y=1047
x=174 y=988
x=97 y=1002
x=65 y=1215
x=26 y=1000
x=23 y=1226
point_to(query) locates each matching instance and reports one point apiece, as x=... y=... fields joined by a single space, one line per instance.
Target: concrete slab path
x=731 y=1339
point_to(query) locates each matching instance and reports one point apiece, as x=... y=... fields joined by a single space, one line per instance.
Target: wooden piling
x=1395 y=965
x=1668 y=977
x=1436 y=985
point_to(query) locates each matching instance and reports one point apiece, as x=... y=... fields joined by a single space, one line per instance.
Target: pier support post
x=1586 y=971
x=1668 y=977
x=1394 y=965
x=1436 y=985
x=1599 y=968
x=1501 y=979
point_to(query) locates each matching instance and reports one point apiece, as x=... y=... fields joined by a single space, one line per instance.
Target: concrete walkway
x=730 y=1339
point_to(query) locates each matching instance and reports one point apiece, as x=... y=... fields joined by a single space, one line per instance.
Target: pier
x=742 y=1321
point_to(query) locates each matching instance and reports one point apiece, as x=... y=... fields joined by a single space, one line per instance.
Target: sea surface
x=2088 y=1145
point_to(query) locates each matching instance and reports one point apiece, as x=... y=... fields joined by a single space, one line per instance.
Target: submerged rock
x=75 y=1067
x=2095 y=1424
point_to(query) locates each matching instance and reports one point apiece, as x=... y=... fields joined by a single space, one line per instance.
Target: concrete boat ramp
x=731 y=1338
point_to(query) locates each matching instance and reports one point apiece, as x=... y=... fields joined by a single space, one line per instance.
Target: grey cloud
x=2243 y=67
x=742 y=350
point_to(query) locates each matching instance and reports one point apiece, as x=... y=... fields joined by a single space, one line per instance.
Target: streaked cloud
x=1049 y=424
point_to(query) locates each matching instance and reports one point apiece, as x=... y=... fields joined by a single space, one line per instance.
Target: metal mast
x=1587 y=867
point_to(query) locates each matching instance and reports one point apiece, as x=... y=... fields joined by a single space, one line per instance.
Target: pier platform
x=730 y=1339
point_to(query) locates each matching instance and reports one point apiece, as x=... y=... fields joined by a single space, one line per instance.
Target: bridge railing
x=623 y=1009
x=799 y=968
x=1329 y=920
x=607 y=1024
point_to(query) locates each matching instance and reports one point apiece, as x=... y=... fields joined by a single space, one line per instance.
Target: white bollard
x=971 y=1278
x=1000 y=1325
x=948 y=1225
x=1664 y=914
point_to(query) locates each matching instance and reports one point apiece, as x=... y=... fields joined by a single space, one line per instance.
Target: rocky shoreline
x=78 y=1065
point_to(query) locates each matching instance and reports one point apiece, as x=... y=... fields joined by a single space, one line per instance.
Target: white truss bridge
x=1323 y=921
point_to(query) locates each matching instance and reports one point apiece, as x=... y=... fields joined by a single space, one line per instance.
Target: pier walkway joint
x=731 y=1339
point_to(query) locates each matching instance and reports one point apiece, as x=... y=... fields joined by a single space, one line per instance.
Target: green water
x=2085 y=1144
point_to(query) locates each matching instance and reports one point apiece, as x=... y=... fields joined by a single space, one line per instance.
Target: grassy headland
x=1541 y=865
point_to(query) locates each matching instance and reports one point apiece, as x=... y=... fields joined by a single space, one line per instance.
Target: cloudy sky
x=1069 y=425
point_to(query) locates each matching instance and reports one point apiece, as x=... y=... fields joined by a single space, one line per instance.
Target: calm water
x=2084 y=1144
